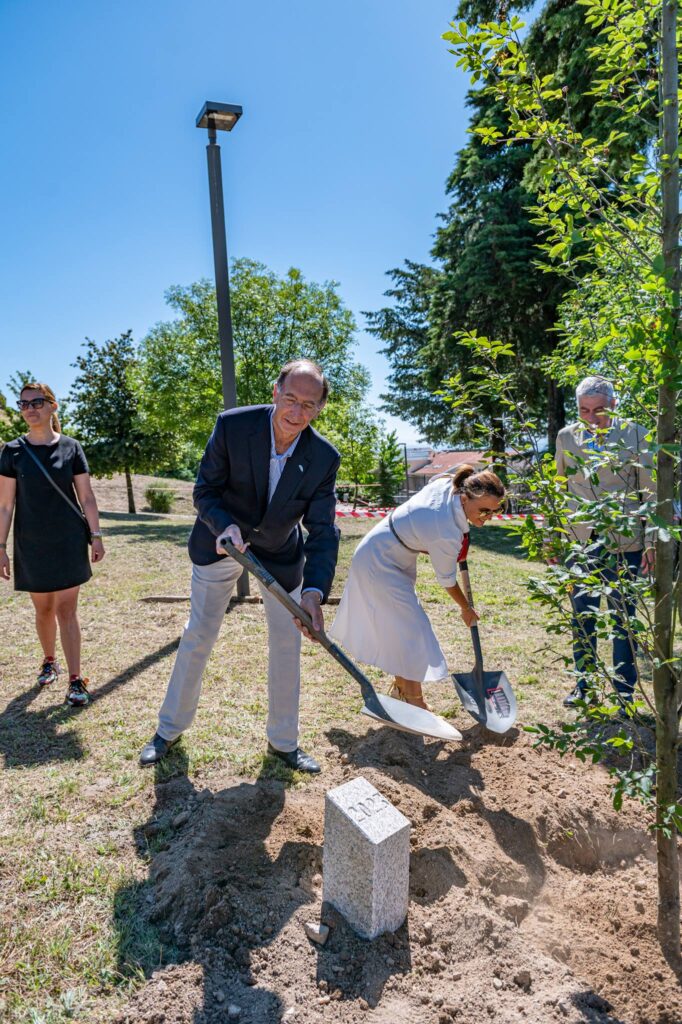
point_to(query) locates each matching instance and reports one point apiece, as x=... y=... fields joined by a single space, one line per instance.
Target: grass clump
x=159 y=499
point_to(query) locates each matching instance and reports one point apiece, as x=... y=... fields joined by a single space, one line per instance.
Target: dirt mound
x=531 y=899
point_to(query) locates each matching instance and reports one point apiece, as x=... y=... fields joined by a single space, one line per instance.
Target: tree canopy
x=275 y=319
x=107 y=413
x=488 y=276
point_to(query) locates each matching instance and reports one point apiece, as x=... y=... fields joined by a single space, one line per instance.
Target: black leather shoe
x=297 y=759
x=575 y=697
x=155 y=750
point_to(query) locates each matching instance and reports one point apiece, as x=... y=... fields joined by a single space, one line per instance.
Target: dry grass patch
x=76 y=839
x=113 y=497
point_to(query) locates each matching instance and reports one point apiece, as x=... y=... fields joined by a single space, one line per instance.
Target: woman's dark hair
x=465 y=480
x=47 y=392
x=304 y=366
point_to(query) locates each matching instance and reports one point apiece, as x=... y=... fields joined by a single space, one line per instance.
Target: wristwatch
x=96 y=533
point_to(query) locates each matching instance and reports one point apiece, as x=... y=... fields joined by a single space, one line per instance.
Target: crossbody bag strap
x=79 y=511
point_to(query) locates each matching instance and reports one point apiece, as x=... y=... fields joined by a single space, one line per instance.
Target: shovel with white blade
x=487 y=696
x=396 y=713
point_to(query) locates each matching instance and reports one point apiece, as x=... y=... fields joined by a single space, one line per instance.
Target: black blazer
x=232 y=487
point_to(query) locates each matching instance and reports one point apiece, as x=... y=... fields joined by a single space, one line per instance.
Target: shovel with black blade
x=487 y=696
x=396 y=713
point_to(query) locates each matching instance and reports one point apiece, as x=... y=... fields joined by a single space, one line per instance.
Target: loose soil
x=531 y=899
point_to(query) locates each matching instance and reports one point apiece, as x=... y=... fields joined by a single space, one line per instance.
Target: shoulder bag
x=60 y=492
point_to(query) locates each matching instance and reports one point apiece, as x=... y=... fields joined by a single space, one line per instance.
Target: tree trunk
x=129 y=489
x=665 y=688
x=556 y=412
x=497 y=447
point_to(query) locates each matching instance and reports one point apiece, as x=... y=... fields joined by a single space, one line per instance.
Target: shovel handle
x=464 y=572
x=250 y=562
x=475 y=636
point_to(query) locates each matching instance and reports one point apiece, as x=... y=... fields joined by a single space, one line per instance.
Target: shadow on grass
x=497 y=539
x=147 y=530
x=31 y=737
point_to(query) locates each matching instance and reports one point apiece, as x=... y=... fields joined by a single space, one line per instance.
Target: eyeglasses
x=307 y=407
x=32 y=403
x=487 y=513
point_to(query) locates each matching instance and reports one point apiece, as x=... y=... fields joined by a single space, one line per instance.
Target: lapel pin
x=300 y=467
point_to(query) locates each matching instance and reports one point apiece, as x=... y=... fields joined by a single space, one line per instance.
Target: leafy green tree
x=487 y=280
x=488 y=277
x=275 y=319
x=11 y=421
x=355 y=430
x=390 y=470
x=6 y=420
x=107 y=412
x=625 y=226
x=403 y=327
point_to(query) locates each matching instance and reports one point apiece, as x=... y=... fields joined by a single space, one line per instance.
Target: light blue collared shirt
x=277 y=464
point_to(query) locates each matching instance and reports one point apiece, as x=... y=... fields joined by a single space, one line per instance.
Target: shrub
x=159 y=499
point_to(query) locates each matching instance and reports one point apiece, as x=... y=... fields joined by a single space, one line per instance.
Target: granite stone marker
x=366 y=862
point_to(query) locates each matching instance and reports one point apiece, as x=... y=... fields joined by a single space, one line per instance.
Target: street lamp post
x=222 y=117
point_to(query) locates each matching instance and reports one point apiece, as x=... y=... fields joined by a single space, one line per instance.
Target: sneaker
x=77 y=695
x=48 y=673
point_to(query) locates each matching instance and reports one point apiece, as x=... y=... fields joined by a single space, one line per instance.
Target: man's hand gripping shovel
x=396 y=713
x=487 y=696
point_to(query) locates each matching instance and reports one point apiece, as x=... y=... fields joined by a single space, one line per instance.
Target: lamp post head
x=219 y=116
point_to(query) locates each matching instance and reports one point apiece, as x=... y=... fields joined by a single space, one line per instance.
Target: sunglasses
x=33 y=403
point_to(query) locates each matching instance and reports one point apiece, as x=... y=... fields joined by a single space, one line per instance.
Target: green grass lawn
x=73 y=801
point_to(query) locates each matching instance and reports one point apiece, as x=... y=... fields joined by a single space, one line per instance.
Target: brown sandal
x=415 y=700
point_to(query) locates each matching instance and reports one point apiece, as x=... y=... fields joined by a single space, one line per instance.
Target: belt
x=415 y=551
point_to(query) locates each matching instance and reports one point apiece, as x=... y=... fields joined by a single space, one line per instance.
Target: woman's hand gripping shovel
x=487 y=696
x=388 y=710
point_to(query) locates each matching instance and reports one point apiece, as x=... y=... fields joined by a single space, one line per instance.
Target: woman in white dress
x=380 y=620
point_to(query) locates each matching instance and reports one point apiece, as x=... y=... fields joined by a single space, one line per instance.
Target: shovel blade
x=488 y=697
x=408 y=718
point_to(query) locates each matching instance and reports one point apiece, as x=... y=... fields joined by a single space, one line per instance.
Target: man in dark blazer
x=264 y=472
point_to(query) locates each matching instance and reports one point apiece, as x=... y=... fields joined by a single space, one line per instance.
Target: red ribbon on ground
x=381 y=513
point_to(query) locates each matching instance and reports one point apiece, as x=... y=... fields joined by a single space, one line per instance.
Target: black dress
x=50 y=543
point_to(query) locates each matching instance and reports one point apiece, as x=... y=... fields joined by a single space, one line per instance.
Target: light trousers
x=212 y=587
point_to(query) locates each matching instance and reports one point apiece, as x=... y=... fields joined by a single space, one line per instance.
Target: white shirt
x=433 y=521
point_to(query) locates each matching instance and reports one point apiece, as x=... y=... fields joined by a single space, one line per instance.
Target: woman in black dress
x=50 y=537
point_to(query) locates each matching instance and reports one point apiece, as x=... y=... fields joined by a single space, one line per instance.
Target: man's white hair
x=595 y=386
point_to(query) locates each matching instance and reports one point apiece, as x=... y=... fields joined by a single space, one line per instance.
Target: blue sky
x=353 y=114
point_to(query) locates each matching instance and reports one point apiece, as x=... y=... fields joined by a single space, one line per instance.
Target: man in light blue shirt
x=265 y=472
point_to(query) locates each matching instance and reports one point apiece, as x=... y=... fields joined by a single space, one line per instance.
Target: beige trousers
x=212 y=587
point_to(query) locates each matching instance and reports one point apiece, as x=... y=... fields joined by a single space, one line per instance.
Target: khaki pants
x=212 y=587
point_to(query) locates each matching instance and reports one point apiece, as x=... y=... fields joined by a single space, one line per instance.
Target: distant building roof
x=444 y=462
